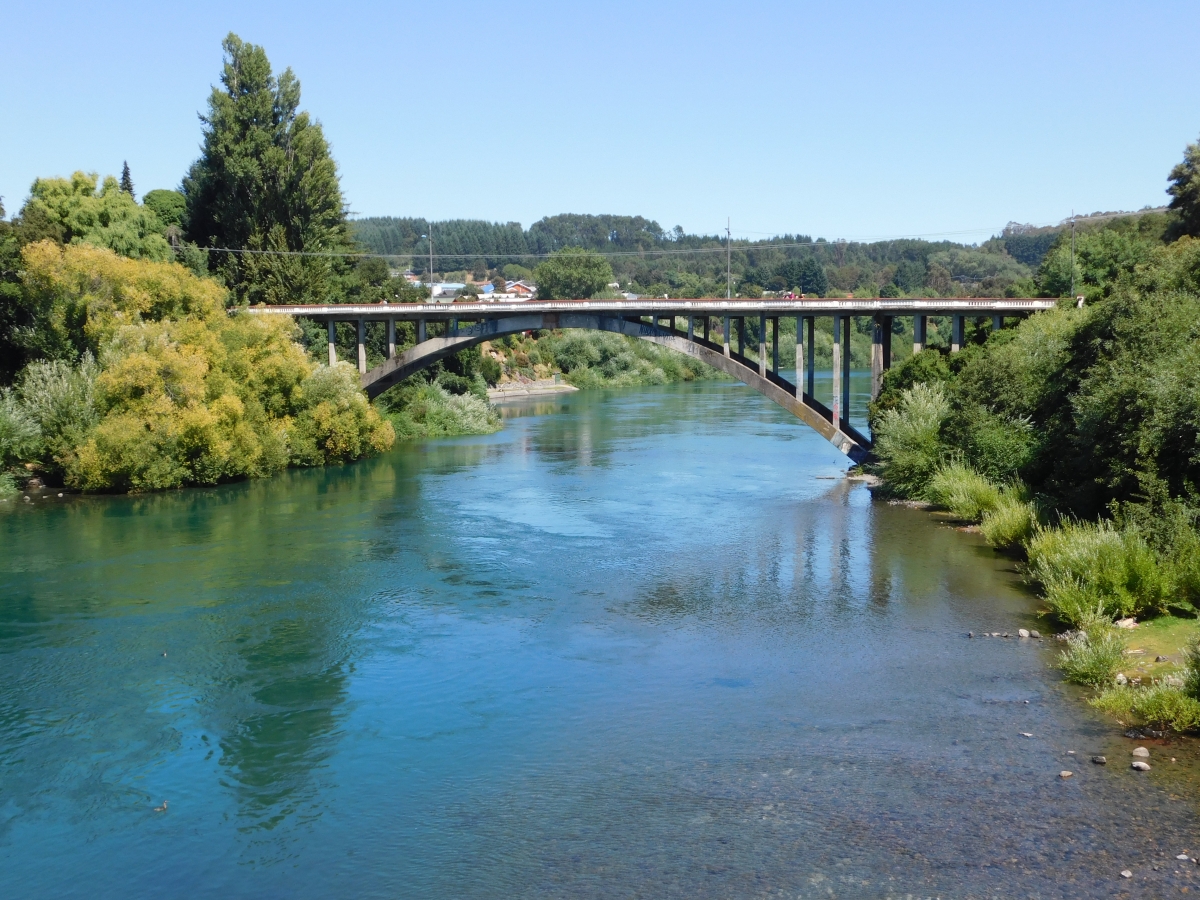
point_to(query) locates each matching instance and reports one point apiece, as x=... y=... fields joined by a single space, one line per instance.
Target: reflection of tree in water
x=275 y=751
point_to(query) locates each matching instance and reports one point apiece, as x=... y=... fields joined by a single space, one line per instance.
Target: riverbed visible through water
x=640 y=643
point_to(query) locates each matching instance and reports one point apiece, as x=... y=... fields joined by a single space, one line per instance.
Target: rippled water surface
x=638 y=644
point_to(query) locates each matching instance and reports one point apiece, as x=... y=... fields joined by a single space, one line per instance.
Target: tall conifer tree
x=265 y=181
x=126 y=179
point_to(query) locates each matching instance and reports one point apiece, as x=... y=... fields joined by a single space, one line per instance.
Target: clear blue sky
x=835 y=119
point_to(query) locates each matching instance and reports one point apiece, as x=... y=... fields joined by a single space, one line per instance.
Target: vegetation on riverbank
x=1073 y=439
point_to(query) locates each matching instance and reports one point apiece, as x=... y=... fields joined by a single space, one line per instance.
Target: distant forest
x=661 y=261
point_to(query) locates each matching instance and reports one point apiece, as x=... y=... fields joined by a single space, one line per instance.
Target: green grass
x=1094 y=654
x=963 y=491
x=1082 y=567
x=1011 y=523
x=1160 y=706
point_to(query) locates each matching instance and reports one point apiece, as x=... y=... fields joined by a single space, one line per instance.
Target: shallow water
x=639 y=643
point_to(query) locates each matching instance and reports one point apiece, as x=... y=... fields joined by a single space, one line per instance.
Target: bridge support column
x=691 y=328
x=881 y=352
x=837 y=370
x=920 y=323
x=706 y=321
x=741 y=330
x=725 y=335
x=332 y=342
x=762 y=346
x=362 y=347
x=956 y=333
x=391 y=338
x=420 y=331
x=997 y=323
x=454 y=328
x=799 y=357
x=775 y=345
x=845 y=338
x=811 y=359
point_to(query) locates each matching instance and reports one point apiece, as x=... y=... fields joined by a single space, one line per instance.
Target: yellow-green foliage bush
x=189 y=394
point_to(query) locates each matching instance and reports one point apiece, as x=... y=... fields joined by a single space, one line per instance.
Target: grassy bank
x=1073 y=441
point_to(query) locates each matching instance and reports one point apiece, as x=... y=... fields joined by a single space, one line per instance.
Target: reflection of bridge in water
x=446 y=328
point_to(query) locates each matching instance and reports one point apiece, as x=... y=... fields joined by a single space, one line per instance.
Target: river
x=646 y=643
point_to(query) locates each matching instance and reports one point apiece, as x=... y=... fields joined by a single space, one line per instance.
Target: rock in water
x=1141 y=751
x=1035 y=634
x=1125 y=873
x=1022 y=632
x=1065 y=774
x=1100 y=760
x=1140 y=766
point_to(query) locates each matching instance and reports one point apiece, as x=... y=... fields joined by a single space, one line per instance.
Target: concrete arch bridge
x=446 y=328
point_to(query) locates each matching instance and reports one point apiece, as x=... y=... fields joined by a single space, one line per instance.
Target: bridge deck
x=943 y=306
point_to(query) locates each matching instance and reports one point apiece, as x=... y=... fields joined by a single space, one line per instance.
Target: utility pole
x=728 y=261
x=429 y=237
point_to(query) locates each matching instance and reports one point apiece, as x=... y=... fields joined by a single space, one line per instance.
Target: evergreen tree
x=1185 y=190
x=265 y=181
x=126 y=180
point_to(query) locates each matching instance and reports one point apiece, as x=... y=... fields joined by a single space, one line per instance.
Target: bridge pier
x=691 y=328
x=725 y=335
x=775 y=345
x=362 y=346
x=391 y=338
x=800 y=320
x=421 y=337
x=956 y=333
x=741 y=333
x=997 y=323
x=881 y=352
x=332 y=328
x=707 y=319
x=812 y=355
x=762 y=346
x=920 y=323
x=837 y=370
x=846 y=323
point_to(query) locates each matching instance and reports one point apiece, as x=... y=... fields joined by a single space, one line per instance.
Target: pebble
x=1141 y=751
x=1121 y=679
x=994 y=633
x=1022 y=632
x=970 y=634
x=1070 y=753
x=1026 y=734
x=1100 y=760
x=1034 y=634
x=1065 y=774
x=1140 y=766
x=1125 y=873
x=1182 y=856
x=60 y=495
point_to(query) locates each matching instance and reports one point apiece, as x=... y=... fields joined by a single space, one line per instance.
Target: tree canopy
x=265 y=181
x=572 y=274
x=74 y=211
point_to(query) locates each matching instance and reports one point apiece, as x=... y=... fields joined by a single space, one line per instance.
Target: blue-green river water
x=646 y=643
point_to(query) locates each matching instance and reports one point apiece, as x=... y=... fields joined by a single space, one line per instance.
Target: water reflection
x=651 y=644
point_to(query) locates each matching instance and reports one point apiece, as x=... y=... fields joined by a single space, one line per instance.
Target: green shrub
x=1013 y=520
x=908 y=439
x=8 y=485
x=61 y=398
x=489 y=368
x=963 y=491
x=20 y=436
x=1160 y=706
x=1082 y=565
x=1094 y=653
x=418 y=409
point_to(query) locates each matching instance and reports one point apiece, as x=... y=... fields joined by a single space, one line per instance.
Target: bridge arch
x=777 y=389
